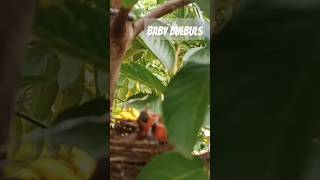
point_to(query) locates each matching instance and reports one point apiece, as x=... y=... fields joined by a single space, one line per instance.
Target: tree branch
x=116 y=4
x=15 y=28
x=161 y=11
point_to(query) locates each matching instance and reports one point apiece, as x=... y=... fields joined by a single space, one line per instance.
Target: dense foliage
x=171 y=78
x=65 y=88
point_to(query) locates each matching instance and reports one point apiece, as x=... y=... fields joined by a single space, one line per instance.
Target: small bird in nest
x=147 y=126
x=151 y=126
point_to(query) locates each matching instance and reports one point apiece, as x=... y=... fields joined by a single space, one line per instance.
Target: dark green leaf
x=185 y=105
x=69 y=32
x=95 y=107
x=33 y=80
x=129 y=3
x=174 y=166
x=42 y=97
x=103 y=82
x=69 y=72
x=88 y=133
x=71 y=96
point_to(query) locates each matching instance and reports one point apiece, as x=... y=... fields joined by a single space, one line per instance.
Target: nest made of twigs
x=129 y=153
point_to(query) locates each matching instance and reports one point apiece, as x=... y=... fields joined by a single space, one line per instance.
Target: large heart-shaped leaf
x=72 y=34
x=140 y=73
x=185 y=105
x=41 y=62
x=174 y=166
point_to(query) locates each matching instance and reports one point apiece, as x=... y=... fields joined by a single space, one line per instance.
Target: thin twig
x=32 y=120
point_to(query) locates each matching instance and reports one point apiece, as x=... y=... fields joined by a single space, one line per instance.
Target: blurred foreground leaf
x=185 y=105
x=89 y=134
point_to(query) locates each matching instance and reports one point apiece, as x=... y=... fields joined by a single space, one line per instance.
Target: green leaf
x=185 y=105
x=88 y=133
x=72 y=34
x=103 y=82
x=180 y=13
x=139 y=73
x=204 y=5
x=142 y=100
x=132 y=52
x=69 y=72
x=21 y=154
x=198 y=55
x=72 y=95
x=34 y=80
x=96 y=107
x=41 y=62
x=129 y=3
x=174 y=166
x=160 y=1
x=122 y=91
x=162 y=48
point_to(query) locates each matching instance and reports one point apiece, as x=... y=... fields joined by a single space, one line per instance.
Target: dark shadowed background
x=266 y=92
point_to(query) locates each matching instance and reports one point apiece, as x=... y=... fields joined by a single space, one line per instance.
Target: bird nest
x=129 y=153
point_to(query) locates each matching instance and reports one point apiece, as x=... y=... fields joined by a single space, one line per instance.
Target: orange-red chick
x=151 y=125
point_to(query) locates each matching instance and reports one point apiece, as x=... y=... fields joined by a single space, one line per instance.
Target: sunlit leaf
x=198 y=55
x=162 y=48
x=139 y=73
